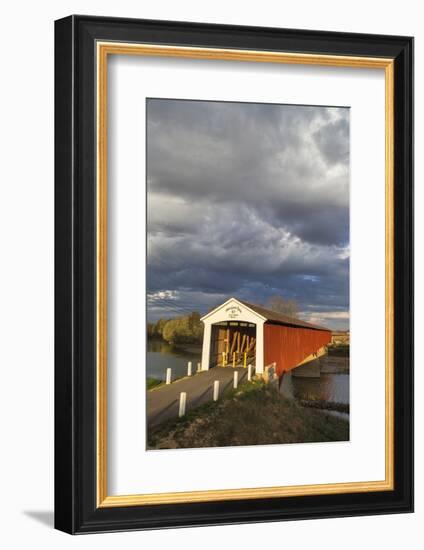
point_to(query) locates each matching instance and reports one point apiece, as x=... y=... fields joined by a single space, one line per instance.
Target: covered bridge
x=236 y=333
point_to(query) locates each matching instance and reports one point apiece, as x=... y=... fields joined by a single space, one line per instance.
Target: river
x=329 y=387
x=161 y=355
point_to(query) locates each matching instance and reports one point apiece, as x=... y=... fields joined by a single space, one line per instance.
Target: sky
x=248 y=201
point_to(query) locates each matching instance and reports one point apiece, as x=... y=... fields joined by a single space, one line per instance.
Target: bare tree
x=282 y=305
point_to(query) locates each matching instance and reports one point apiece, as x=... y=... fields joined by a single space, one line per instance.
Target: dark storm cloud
x=332 y=140
x=247 y=200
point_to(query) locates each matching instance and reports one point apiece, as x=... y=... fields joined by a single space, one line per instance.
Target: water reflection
x=161 y=355
x=328 y=387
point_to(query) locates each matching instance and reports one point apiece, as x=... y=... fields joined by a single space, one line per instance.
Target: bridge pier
x=311 y=369
x=311 y=366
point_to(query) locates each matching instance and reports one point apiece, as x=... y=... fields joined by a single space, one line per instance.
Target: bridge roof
x=278 y=318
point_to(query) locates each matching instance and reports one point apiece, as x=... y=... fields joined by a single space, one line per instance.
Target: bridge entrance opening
x=233 y=344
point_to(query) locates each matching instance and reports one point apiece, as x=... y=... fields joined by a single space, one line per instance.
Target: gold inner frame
x=104 y=49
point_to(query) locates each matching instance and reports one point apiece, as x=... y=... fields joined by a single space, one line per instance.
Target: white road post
x=168 y=375
x=199 y=367
x=216 y=390
x=235 y=383
x=183 y=400
x=249 y=373
x=189 y=370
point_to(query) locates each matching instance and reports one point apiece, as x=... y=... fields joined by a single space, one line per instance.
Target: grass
x=257 y=415
x=153 y=382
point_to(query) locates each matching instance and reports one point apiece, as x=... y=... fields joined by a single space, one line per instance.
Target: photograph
x=233 y=264
x=247 y=273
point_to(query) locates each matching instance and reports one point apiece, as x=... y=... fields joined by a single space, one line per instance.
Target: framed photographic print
x=233 y=274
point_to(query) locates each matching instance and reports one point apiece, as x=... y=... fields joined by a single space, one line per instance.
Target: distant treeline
x=186 y=329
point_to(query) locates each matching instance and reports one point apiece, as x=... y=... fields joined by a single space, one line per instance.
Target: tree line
x=185 y=329
x=188 y=329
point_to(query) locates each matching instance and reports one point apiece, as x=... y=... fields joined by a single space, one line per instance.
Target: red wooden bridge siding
x=288 y=346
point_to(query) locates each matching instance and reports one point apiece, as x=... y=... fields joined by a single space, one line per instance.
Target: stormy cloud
x=247 y=200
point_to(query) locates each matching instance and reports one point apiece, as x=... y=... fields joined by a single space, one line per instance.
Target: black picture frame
x=76 y=510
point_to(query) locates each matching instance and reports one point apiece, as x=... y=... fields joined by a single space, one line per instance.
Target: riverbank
x=334 y=364
x=255 y=415
x=153 y=383
x=333 y=384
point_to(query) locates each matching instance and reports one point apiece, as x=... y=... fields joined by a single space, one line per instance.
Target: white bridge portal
x=233 y=330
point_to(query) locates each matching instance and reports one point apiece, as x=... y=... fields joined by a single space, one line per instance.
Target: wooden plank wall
x=288 y=346
x=239 y=338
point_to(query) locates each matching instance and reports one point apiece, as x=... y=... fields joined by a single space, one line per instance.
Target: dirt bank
x=258 y=415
